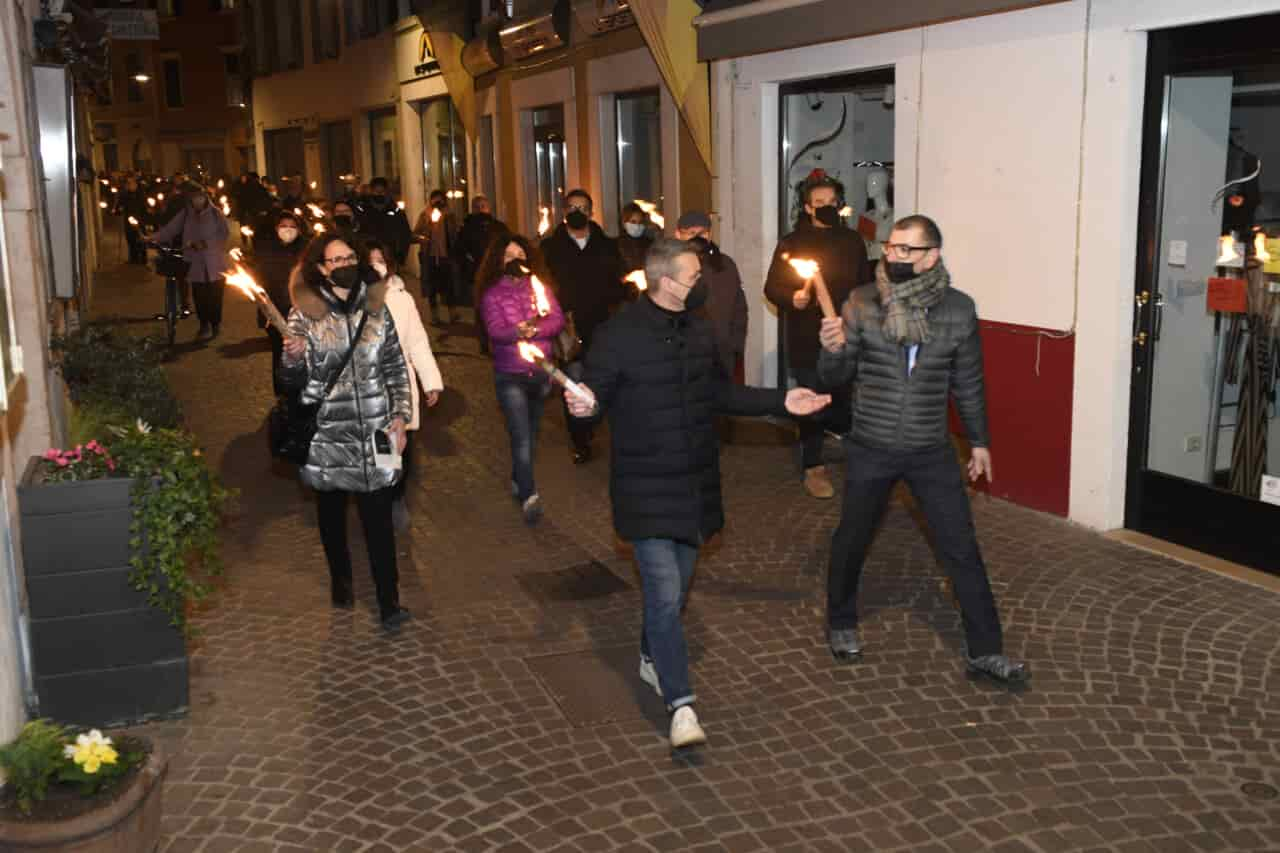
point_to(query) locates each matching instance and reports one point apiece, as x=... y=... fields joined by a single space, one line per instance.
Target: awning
x=729 y=28
x=667 y=31
x=444 y=21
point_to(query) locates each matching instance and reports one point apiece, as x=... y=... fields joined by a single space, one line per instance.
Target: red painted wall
x=1029 y=415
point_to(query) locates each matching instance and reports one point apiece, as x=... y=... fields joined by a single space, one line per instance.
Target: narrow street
x=507 y=716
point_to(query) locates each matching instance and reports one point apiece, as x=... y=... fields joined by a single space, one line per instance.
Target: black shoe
x=205 y=330
x=394 y=618
x=845 y=646
x=999 y=668
x=581 y=455
x=341 y=595
x=215 y=331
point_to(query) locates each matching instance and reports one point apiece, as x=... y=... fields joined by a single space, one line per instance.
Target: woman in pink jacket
x=508 y=306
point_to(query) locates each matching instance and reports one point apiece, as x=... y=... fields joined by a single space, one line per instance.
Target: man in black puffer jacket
x=906 y=343
x=654 y=369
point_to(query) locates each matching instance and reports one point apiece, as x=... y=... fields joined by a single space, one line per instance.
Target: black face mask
x=828 y=215
x=697 y=296
x=515 y=268
x=342 y=221
x=899 y=271
x=345 y=277
x=577 y=220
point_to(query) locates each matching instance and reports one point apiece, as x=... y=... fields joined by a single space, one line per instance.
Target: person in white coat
x=423 y=370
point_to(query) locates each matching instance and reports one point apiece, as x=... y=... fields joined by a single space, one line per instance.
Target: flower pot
x=129 y=823
x=101 y=654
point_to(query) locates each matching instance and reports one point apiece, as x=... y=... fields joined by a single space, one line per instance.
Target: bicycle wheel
x=171 y=309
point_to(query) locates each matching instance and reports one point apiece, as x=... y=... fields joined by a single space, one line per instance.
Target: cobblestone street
x=507 y=716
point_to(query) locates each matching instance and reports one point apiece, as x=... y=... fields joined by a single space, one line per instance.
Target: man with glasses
x=821 y=236
x=586 y=268
x=655 y=370
x=907 y=343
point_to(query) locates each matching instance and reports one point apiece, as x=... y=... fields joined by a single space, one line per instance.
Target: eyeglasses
x=903 y=250
x=342 y=261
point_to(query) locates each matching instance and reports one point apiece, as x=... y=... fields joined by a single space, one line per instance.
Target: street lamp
x=142 y=78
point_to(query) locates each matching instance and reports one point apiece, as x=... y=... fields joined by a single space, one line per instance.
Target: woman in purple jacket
x=204 y=232
x=508 y=305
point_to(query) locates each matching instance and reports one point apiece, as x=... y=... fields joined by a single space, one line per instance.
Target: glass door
x=444 y=152
x=548 y=164
x=1204 y=465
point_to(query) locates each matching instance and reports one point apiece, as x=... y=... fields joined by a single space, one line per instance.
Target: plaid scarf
x=907 y=303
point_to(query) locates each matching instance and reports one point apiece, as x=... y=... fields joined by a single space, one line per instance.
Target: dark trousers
x=379 y=535
x=521 y=399
x=937 y=483
x=437 y=280
x=137 y=248
x=208 y=297
x=277 y=352
x=580 y=432
x=834 y=418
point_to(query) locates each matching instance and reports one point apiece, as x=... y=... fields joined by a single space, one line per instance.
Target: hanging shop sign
x=415 y=56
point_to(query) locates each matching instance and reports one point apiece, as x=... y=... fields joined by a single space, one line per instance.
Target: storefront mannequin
x=882 y=216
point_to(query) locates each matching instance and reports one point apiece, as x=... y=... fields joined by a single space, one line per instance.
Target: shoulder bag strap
x=346 y=359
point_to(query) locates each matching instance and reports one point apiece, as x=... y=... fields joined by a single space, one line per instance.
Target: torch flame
x=226 y=209
x=540 y=300
x=1227 y=251
x=102 y=204
x=435 y=215
x=636 y=277
x=651 y=210
x=544 y=220
x=133 y=220
x=1260 y=247
x=314 y=185
x=529 y=352
x=298 y=211
x=400 y=204
x=846 y=212
x=246 y=230
x=160 y=196
x=316 y=210
x=221 y=183
x=151 y=202
x=242 y=281
x=806 y=267
x=318 y=227
x=222 y=199
x=236 y=255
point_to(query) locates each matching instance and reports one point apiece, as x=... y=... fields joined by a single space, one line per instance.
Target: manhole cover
x=597 y=686
x=576 y=583
x=1259 y=791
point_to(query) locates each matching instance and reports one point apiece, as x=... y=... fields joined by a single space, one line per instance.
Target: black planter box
x=102 y=655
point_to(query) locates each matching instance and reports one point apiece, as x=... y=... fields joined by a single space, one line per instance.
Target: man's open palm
x=803 y=401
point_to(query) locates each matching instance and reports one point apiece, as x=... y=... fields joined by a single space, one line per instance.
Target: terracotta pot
x=130 y=824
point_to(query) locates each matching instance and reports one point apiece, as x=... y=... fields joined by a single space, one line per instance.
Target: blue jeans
x=666 y=567
x=521 y=399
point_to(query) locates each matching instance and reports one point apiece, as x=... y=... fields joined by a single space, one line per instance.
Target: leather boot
x=818 y=484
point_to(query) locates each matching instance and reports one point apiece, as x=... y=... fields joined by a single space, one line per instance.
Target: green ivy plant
x=177 y=510
x=120 y=376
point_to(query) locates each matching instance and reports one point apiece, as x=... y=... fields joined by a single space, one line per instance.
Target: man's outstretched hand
x=803 y=401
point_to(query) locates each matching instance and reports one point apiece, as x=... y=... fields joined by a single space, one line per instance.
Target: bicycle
x=171 y=265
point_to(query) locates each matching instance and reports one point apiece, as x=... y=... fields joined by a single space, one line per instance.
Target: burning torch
x=540 y=302
x=651 y=210
x=812 y=274
x=242 y=281
x=530 y=353
x=544 y=220
x=637 y=278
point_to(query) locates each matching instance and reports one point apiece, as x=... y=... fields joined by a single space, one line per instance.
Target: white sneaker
x=649 y=674
x=685 y=730
x=532 y=509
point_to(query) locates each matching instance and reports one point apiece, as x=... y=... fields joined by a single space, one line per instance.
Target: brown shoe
x=818 y=484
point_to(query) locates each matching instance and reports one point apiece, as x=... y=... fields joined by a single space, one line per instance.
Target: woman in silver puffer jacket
x=330 y=300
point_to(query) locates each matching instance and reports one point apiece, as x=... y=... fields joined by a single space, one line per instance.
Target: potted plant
x=82 y=792
x=119 y=537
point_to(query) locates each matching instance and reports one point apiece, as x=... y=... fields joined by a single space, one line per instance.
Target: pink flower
x=62 y=463
x=52 y=453
x=93 y=445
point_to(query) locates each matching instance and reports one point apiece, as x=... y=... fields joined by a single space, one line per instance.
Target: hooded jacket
x=415 y=343
x=373 y=388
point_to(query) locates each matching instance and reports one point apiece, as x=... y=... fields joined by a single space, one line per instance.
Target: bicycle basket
x=171 y=265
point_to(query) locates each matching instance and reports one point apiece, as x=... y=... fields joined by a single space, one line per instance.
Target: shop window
x=284 y=150
x=288 y=34
x=169 y=8
x=110 y=157
x=444 y=151
x=337 y=147
x=172 y=69
x=385 y=147
x=545 y=165
x=639 y=147
x=235 y=81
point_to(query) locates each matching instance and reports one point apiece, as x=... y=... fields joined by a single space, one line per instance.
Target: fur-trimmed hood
x=315 y=303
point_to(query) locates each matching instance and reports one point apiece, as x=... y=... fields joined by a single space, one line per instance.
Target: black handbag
x=292 y=424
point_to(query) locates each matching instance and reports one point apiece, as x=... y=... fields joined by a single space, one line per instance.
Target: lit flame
x=435 y=215
x=222 y=199
x=242 y=281
x=236 y=255
x=102 y=204
x=530 y=352
x=160 y=196
x=298 y=211
x=805 y=267
x=314 y=185
x=246 y=230
x=221 y=183
x=1260 y=247
x=316 y=210
x=133 y=220
x=544 y=220
x=400 y=204
x=226 y=209
x=540 y=300
x=115 y=190
x=1227 y=252
x=846 y=212
x=318 y=227
x=151 y=201
x=651 y=210
x=636 y=277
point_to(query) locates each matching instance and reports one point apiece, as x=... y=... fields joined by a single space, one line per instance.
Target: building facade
x=177 y=98
x=1027 y=135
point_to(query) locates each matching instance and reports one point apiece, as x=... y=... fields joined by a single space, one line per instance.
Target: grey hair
x=660 y=260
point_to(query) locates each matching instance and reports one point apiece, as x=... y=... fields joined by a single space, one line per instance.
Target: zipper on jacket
x=355 y=392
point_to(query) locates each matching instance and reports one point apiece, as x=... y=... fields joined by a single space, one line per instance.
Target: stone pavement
x=507 y=716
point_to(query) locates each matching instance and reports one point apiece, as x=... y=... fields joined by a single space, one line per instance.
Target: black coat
x=474 y=236
x=588 y=281
x=273 y=261
x=894 y=411
x=842 y=255
x=384 y=221
x=659 y=380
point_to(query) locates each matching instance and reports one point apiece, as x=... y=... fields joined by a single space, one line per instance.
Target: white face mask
x=581 y=241
x=634 y=229
x=287 y=235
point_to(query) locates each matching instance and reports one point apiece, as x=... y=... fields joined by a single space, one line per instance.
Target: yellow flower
x=91 y=751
